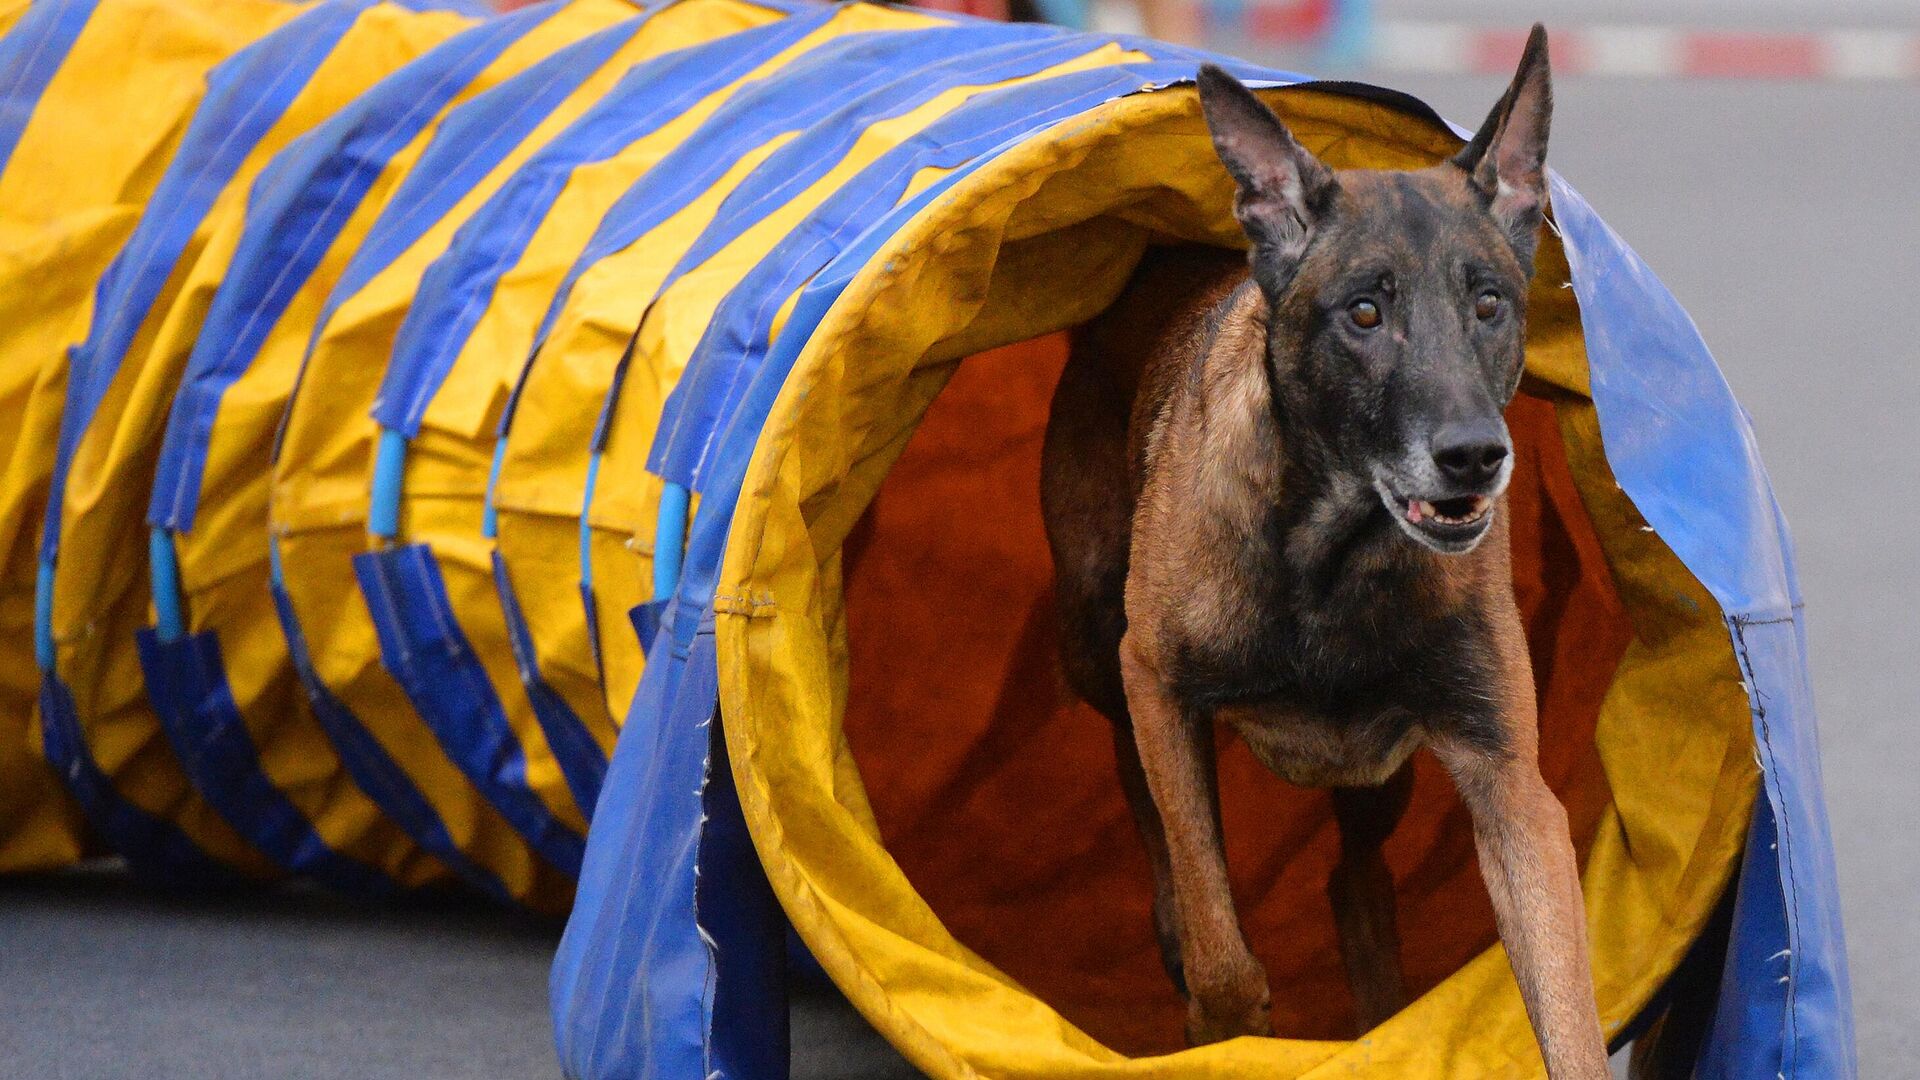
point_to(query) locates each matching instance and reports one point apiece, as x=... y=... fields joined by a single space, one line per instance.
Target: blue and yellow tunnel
x=430 y=434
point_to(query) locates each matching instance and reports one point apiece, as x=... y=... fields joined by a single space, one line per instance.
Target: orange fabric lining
x=996 y=792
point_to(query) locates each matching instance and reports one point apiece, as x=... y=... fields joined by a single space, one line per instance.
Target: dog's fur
x=1233 y=479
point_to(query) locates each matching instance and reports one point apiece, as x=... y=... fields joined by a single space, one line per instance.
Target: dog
x=1273 y=487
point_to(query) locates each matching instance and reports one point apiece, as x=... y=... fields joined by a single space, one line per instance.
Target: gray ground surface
x=1782 y=215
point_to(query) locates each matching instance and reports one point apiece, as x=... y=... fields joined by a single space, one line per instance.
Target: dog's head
x=1397 y=299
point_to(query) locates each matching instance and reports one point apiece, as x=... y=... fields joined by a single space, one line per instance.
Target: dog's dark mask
x=1397 y=300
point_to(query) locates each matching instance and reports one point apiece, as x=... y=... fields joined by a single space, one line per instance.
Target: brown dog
x=1267 y=493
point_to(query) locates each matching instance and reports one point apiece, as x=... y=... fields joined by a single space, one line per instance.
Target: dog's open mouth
x=1451 y=525
x=1464 y=510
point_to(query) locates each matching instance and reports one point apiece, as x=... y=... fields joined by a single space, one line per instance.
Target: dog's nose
x=1469 y=454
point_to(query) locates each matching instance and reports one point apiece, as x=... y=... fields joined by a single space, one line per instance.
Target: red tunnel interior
x=995 y=790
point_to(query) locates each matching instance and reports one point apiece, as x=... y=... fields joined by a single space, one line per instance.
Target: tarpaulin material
x=437 y=431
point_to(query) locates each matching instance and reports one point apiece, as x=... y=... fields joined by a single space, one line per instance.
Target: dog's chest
x=1338 y=688
x=1319 y=751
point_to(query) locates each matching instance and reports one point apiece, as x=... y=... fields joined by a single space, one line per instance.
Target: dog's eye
x=1364 y=313
x=1486 y=305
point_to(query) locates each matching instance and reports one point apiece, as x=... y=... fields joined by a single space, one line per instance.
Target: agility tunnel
x=430 y=432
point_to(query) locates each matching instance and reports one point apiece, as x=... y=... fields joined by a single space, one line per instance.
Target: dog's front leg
x=1526 y=858
x=1226 y=986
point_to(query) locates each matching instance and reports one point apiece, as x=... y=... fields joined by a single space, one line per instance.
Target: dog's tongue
x=1413 y=511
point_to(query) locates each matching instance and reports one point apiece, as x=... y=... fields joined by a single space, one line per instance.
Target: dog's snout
x=1470 y=454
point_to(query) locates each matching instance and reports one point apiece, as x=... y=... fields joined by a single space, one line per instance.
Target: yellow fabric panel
x=320 y=480
x=551 y=432
x=1003 y=257
x=159 y=53
x=448 y=463
x=328 y=437
x=327 y=600
x=1673 y=837
x=293 y=752
x=543 y=473
x=10 y=13
x=598 y=322
x=467 y=404
x=330 y=434
x=542 y=556
x=70 y=204
x=678 y=321
x=108 y=488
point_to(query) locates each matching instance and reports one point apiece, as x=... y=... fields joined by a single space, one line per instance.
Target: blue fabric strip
x=456 y=289
x=592 y=612
x=978 y=125
x=736 y=906
x=646 y=619
x=30 y=54
x=582 y=761
x=470 y=143
x=296 y=209
x=709 y=533
x=153 y=847
x=188 y=685
x=376 y=773
x=424 y=649
x=737 y=337
x=246 y=94
x=1683 y=450
x=835 y=94
x=631 y=949
x=791 y=99
x=798 y=165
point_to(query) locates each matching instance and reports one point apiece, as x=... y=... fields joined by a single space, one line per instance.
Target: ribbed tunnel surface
x=346 y=524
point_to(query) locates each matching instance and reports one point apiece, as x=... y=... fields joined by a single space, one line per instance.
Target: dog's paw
x=1204 y=1026
x=1222 y=1009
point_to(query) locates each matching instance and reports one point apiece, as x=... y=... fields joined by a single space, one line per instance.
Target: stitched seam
x=1790 y=1066
x=39 y=47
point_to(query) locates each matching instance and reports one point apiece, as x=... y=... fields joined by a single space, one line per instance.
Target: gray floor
x=1784 y=216
x=101 y=979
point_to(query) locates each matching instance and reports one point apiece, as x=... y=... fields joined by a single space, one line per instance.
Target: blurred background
x=1760 y=154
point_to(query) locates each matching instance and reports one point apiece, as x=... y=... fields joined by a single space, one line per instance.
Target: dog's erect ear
x=1283 y=188
x=1507 y=158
